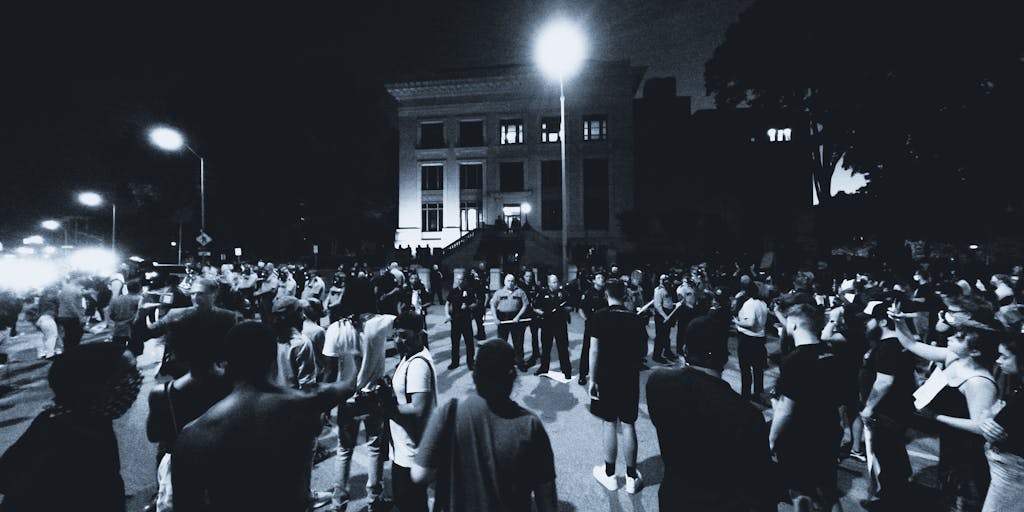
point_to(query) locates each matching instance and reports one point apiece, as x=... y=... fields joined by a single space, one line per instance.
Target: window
x=595 y=128
x=595 y=194
x=780 y=134
x=470 y=216
x=551 y=194
x=432 y=177
x=512 y=131
x=471 y=176
x=432 y=215
x=549 y=128
x=431 y=135
x=512 y=214
x=471 y=133
x=511 y=176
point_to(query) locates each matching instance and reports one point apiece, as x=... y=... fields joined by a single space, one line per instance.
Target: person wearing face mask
x=72 y=443
x=962 y=405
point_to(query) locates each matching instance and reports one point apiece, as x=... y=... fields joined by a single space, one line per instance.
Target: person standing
x=806 y=429
x=459 y=311
x=479 y=288
x=71 y=312
x=296 y=364
x=532 y=288
x=436 y=284
x=508 y=306
x=753 y=355
x=714 y=444
x=485 y=451
x=592 y=301
x=315 y=287
x=123 y=310
x=266 y=292
x=689 y=308
x=553 y=308
x=615 y=389
x=415 y=385
x=312 y=312
x=664 y=305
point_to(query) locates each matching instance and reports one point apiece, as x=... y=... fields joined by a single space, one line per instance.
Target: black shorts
x=622 y=405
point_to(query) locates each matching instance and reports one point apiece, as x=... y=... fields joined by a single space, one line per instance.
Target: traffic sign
x=203 y=238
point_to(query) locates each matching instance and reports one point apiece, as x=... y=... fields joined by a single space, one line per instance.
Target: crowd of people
x=257 y=357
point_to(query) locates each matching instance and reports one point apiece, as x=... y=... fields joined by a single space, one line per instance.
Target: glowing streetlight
x=526 y=209
x=92 y=200
x=560 y=52
x=33 y=240
x=170 y=139
x=50 y=224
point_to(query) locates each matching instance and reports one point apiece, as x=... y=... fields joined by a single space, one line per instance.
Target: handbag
x=165 y=493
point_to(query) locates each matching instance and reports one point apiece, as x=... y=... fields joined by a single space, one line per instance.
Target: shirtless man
x=251 y=450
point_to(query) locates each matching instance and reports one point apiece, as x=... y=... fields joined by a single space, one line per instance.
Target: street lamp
x=560 y=51
x=170 y=139
x=526 y=209
x=93 y=200
x=54 y=225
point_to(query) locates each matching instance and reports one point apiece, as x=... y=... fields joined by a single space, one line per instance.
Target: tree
x=903 y=91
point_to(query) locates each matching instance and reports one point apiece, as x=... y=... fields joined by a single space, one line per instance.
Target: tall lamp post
x=93 y=200
x=560 y=52
x=170 y=139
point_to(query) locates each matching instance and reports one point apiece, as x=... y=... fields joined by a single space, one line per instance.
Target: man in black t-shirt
x=713 y=442
x=615 y=389
x=805 y=430
x=889 y=405
x=592 y=300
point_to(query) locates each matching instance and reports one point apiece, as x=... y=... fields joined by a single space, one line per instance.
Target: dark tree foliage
x=923 y=97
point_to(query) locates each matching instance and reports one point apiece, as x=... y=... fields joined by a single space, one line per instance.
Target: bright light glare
x=94 y=260
x=27 y=274
x=33 y=240
x=90 y=199
x=561 y=49
x=526 y=208
x=973 y=247
x=167 y=139
x=51 y=225
x=136 y=259
x=25 y=251
x=49 y=250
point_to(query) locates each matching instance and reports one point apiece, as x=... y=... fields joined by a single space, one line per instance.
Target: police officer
x=664 y=304
x=509 y=305
x=533 y=289
x=592 y=300
x=459 y=311
x=478 y=287
x=553 y=308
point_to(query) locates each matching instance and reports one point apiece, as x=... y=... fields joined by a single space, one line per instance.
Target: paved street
x=574 y=433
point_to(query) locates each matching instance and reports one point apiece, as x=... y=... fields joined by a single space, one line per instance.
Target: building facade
x=482 y=146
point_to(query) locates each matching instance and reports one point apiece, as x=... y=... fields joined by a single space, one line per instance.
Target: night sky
x=286 y=104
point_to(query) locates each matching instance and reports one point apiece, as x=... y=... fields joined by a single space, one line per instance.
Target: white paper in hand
x=930 y=389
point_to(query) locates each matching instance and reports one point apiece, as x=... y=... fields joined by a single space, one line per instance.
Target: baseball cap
x=286 y=305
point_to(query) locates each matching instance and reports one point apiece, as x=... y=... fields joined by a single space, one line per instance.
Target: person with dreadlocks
x=72 y=442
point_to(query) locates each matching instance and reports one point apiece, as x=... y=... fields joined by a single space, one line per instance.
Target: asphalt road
x=574 y=433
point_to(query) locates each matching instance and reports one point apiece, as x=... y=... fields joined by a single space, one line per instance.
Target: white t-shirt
x=411 y=376
x=756 y=310
x=342 y=336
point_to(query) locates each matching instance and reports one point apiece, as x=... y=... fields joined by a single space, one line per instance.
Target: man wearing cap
x=296 y=364
x=615 y=390
x=889 y=406
x=713 y=442
x=509 y=306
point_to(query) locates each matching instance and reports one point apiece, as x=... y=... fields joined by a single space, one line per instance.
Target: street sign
x=204 y=253
x=203 y=238
x=238 y=251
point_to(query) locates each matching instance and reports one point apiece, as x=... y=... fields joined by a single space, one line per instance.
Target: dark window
x=471 y=133
x=549 y=128
x=511 y=176
x=471 y=176
x=595 y=194
x=551 y=194
x=512 y=131
x=432 y=177
x=432 y=217
x=595 y=128
x=432 y=135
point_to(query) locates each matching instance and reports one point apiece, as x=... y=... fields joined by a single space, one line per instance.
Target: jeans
x=1005 y=492
x=408 y=497
x=888 y=463
x=348 y=430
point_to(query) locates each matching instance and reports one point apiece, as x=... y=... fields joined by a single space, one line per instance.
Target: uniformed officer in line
x=477 y=285
x=509 y=305
x=459 y=311
x=553 y=307
x=593 y=299
x=533 y=289
x=664 y=304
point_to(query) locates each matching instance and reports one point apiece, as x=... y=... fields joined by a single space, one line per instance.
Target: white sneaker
x=609 y=482
x=633 y=485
